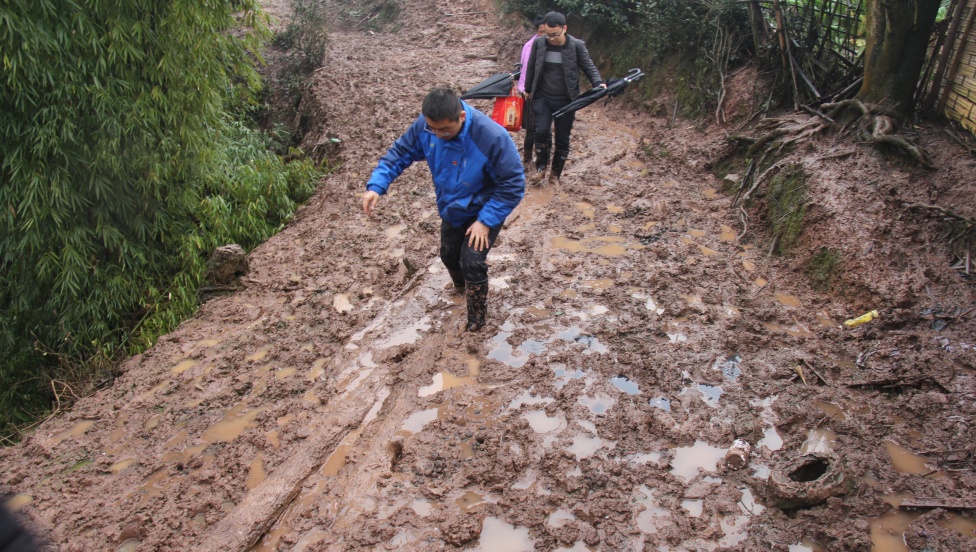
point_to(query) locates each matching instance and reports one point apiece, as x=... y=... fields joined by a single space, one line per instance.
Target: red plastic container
x=508 y=112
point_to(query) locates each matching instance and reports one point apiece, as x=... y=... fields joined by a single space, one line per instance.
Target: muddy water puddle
x=232 y=425
x=689 y=460
x=516 y=357
x=499 y=536
x=607 y=246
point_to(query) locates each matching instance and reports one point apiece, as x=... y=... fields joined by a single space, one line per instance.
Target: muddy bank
x=635 y=332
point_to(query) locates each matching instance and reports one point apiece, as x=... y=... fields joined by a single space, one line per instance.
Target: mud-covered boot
x=558 y=162
x=477 y=296
x=541 y=164
x=457 y=278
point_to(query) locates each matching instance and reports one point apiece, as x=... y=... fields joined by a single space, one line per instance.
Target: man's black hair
x=442 y=104
x=555 y=19
x=538 y=20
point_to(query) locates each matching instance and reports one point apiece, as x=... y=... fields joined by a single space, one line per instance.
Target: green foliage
x=121 y=169
x=824 y=267
x=304 y=38
x=787 y=206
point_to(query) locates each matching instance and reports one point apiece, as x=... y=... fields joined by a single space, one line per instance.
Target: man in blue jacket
x=478 y=182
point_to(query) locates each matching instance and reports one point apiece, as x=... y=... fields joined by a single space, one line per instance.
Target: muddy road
x=636 y=329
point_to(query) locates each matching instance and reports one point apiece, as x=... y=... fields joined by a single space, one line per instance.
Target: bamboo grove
x=126 y=159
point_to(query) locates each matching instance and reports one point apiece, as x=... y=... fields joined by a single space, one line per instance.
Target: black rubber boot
x=558 y=162
x=477 y=297
x=541 y=163
x=457 y=277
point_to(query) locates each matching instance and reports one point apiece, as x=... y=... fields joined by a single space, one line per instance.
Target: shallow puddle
x=498 y=536
x=728 y=235
x=443 y=381
x=588 y=210
x=608 y=246
x=625 y=384
x=337 y=460
x=688 y=460
x=76 y=430
x=786 y=299
x=904 y=460
x=421 y=507
x=771 y=439
x=395 y=230
x=694 y=507
x=469 y=500
x=807 y=544
x=130 y=545
x=661 y=402
x=317 y=370
x=233 y=424
x=183 y=366
x=601 y=284
x=255 y=473
x=730 y=366
x=832 y=410
x=259 y=355
x=341 y=302
x=819 y=441
x=598 y=404
x=410 y=334
x=888 y=531
x=285 y=373
x=542 y=423
x=710 y=394
x=585 y=446
x=653 y=518
x=415 y=422
x=117 y=467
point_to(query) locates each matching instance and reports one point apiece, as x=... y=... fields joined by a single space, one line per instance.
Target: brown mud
x=634 y=333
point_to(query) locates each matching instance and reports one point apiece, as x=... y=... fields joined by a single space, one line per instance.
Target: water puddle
x=624 y=384
x=904 y=460
x=186 y=454
x=832 y=410
x=285 y=373
x=694 y=507
x=786 y=299
x=795 y=331
x=341 y=303
x=771 y=439
x=410 y=334
x=538 y=197
x=232 y=425
x=18 y=501
x=710 y=394
x=153 y=486
x=644 y=458
x=607 y=246
x=585 y=446
x=255 y=473
x=688 y=460
x=117 y=467
x=444 y=381
x=563 y=375
x=615 y=208
x=807 y=544
x=183 y=366
x=654 y=517
x=749 y=266
x=727 y=235
x=259 y=355
x=598 y=404
x=600 y=284
x=710 y=193
x=760 y=282
x=888 y=531
x=541 y=423
x=730 y=366
x=819 y=441
x=588 y=210
x=421 y=507
x=498 y=536
x=337 y=460
x=415 y=422
x=395 y=230
x=661 y=402
x=469 y=500
x=129 y=545
x=76 y=430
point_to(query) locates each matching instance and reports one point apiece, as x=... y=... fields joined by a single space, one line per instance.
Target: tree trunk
x=897 y=40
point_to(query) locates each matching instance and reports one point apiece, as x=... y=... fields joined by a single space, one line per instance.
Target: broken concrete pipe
x=807 y=480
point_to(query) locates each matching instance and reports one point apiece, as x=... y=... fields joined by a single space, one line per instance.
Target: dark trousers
x=542 y=110
x=527 y=119
x=458 y=256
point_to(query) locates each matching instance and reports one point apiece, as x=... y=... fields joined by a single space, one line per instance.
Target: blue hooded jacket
x=476 y=174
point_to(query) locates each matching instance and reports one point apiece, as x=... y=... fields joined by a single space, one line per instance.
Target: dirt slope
x=635 y=333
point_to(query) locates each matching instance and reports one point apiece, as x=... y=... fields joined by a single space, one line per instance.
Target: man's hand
x=370 y=199
x=477 y=236
x=603 y=85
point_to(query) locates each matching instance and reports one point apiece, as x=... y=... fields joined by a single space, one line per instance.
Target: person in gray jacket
x=552 y=80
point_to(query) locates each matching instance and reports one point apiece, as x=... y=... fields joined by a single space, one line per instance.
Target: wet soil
x=636 y=328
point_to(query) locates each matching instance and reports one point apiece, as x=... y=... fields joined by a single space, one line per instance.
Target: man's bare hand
x=370 y=199
x=477 y=236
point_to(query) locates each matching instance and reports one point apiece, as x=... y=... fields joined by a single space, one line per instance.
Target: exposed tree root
x=876 y=123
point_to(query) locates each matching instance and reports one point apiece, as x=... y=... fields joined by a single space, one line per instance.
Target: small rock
x=226 y=263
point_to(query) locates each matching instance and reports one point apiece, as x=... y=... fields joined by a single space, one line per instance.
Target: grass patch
x=787 y=206
x=824 y=267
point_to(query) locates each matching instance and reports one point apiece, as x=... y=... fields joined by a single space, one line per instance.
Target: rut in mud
x=634 y=333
